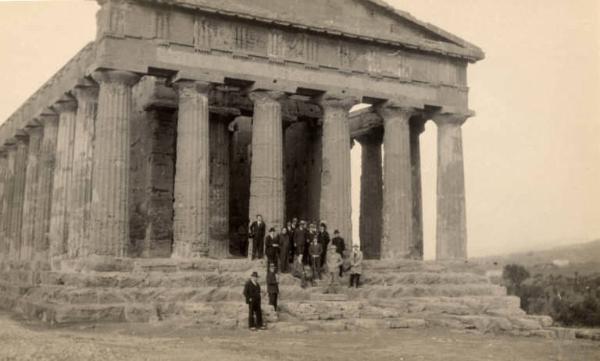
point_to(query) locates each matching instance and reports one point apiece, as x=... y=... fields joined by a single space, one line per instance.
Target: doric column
x=9 y=185
x=371 y=194
x=41 y=236
x=417 y=126
x=451 y=224
x=219 y=184
x=191 y=205
x=31 y=188
x=18 y=197
x=336 y=198
x=266 y=176
x=80 y=196
x=110 y=173
x=4 y=179
x=61 y=186
x=397 y=183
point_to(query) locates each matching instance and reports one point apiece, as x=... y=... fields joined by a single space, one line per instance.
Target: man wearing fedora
x=252 y=295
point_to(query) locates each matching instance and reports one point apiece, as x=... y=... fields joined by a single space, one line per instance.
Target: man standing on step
x=272 y=248
x=340 y=247
x=356 y=259
x=315 y=250
x=252 y=295
x=257 y=233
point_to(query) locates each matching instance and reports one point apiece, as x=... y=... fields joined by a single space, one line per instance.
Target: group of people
x=304 y=251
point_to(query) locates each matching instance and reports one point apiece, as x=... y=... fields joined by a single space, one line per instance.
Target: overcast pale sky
x=532 y=153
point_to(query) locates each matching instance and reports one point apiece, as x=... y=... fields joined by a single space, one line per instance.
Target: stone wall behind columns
x=302 y=170
x=239 y=185
x=151 y=182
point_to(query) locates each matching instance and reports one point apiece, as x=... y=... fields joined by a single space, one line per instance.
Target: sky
x=532 y=153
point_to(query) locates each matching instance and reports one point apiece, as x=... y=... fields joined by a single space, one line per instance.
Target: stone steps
x=294 y=316
x=72 y=294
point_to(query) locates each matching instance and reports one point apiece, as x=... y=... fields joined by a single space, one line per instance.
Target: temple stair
x=403 y=294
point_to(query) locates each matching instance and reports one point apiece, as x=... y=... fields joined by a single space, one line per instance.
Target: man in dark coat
x=310 y=235
x=272 y=248
x=257 y=233
x=299 y=240
x=323 y=239
x=284 y=250
x=252 y=295
x=340 y=246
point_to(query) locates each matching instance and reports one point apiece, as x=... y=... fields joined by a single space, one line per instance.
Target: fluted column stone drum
x=191 y=217
x=336 y=198
x=41 y=237
x=110 y=172
x=267 y=195
x=397 y=182
x=451 y=224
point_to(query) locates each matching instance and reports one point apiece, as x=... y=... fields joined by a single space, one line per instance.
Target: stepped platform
x=402 y=294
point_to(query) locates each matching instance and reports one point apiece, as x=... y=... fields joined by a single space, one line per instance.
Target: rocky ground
x=20 y=340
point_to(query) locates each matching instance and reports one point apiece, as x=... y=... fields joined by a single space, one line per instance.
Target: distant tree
x=514 y=275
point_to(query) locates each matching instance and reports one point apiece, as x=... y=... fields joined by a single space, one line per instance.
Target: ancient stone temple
x=129 y=177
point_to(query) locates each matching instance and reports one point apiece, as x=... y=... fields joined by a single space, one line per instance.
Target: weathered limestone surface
x=191 y=221
x=219 y=140
x=451 y=226
x=16 y=226
x=80 y=198
x=31 y=195
x=371 y=194
x=239 y=182
x=335 y=199
x=397 y=183
x=110 y=173
x=417 y=126
x=266 y=183
x=41 y=239
x=62 y=184
x=3 y=194
x=151 y=182
x=11 y=151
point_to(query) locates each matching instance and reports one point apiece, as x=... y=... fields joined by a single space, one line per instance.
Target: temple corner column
x=451 y=223
x=109 y=211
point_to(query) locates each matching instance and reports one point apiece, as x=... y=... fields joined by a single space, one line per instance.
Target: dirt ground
x=21 y=340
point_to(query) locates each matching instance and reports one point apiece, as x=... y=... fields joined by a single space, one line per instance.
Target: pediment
x=370 y=20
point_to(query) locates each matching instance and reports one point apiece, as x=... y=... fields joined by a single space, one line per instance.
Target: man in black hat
x=272 y=248
x=252 y=295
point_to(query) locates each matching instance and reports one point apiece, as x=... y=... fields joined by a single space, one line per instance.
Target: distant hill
x=579 y=256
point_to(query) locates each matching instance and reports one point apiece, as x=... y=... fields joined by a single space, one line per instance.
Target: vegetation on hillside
x=570 y=300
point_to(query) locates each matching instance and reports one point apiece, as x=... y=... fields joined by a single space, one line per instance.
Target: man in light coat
x=356 y=259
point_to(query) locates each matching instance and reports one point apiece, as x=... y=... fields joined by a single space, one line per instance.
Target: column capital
x=345 y=103
x=452 y=118
x=374 y=136
x=184 y=85
x=116 y=76
x=266 y=96
x=34 y=129
x=418 y=125
x=65 y=104
x=393 y=108
x=86 y=93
